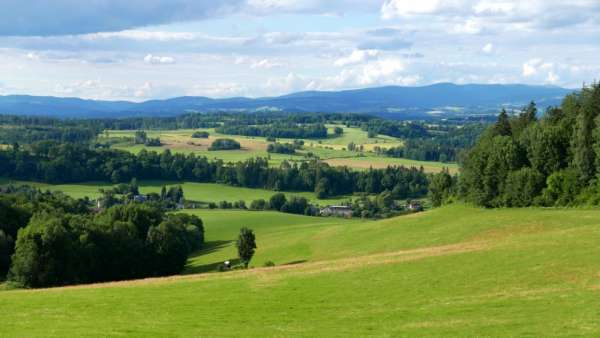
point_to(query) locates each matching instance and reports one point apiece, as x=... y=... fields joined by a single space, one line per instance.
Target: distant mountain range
x=444 y=99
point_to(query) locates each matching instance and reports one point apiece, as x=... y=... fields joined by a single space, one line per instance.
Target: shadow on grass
x=209 y=247
x=296 y=262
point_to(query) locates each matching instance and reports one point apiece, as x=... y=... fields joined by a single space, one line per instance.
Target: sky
x=151 y=49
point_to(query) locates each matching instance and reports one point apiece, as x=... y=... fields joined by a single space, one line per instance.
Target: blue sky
x=145 y=49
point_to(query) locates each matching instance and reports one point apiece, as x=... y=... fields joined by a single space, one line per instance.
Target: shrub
x=277 y=201
x=200 y=134
x=224 y=144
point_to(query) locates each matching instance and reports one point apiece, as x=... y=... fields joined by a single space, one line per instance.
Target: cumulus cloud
x=488 y=48
x=544 y=71
x=531 y=14
x=159 y=60
x=357 y=56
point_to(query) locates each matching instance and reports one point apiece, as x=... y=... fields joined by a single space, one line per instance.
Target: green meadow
x=455 y=271
x=201 y=192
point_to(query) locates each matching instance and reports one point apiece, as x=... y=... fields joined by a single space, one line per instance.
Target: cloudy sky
x=145 y=49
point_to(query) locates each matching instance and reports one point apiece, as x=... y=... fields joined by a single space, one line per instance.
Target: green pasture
x=456 y=271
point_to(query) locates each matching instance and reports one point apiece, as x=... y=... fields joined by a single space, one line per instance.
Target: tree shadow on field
x=209 y=247
x=296 y=262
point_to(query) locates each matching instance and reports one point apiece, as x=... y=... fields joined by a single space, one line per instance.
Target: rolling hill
x=394 y=102
x=455 y=271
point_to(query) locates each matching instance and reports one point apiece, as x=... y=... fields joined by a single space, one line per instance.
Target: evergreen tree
x=502 y=126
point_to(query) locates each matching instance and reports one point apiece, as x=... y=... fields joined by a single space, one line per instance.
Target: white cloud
x=381 y=71
x=470 y=26
x=487 y=7
x=552 y=77
x=32 y=56
x=488 y=48
x=399 y=8
x=142 y=35
x=265 y=64
x=357 y=56
x=162 y=60
x=530 y=67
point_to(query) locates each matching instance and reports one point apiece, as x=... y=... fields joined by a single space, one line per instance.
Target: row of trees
x=278 y=130
x=442 y=146
x=283 y=148
x=522 y=161
x=69 y=163
x=48 y=239
x=279 y=202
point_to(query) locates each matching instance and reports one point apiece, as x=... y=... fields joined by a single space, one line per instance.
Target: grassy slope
x=526 y=272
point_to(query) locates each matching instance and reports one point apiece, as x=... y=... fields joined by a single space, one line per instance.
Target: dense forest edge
x=553 y=160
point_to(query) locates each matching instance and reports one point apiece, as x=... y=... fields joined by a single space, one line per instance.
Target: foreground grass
x=455 y=271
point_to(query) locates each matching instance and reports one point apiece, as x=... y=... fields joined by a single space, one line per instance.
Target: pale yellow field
x=332 y=150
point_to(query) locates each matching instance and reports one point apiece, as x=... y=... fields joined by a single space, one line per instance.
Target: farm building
x=336 y=210
x=414 y=206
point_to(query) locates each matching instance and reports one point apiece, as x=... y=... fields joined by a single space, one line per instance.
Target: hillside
x=453 y=271
x=395 y=102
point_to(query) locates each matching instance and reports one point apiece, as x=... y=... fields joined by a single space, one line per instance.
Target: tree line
x=278 y=130
x=550 y=161
x=442 y=146
x=54 y=162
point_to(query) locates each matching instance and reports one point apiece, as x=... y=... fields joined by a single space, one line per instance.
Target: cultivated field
x=452 y=271
x=332 y=149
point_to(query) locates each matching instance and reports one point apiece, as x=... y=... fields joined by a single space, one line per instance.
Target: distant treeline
x=397 y=129
x=444 y=146
x=553 y=161
x=62 y=163
x=278 y=130
x=49 y=239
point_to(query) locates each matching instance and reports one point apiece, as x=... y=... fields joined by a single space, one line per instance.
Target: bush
x=259 y=204
x=225 y=205
x=224 y=144
x=269 y=264
x=295 y=205
x=200 y=134
x=277 y=201
x=281 y=148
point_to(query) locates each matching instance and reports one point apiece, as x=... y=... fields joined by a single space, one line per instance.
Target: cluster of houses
x=346 y=211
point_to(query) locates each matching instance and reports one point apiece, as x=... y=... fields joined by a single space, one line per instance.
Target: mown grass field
x=201 y=192
x=332 y=149
x=456 y=271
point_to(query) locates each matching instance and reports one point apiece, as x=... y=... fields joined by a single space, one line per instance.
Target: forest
x=552 y=160
x=50 y=239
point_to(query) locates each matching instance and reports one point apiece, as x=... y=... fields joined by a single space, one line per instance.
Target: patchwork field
x=453 y=271
x=333 y=149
